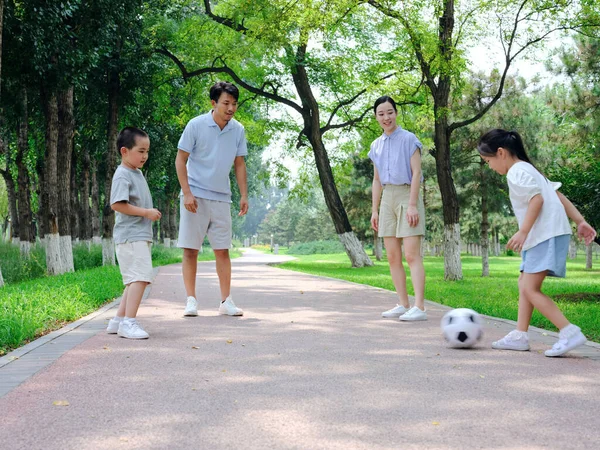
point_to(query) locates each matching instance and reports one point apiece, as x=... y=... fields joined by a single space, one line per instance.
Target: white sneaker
x=569 y=338
x=228 y=308
x=191 y=308
x=515 y=340
x=113 y=325
x=413 y=314
x=131 y=329
x=395 y=312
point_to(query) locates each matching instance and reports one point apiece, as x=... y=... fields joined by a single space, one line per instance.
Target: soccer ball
x=462 y=328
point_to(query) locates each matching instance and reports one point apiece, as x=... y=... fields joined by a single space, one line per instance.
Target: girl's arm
x=376 y=196
x=533 y=211
x=584 y=229
x=412 y=214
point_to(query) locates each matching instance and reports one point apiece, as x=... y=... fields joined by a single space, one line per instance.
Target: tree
x=436 y=46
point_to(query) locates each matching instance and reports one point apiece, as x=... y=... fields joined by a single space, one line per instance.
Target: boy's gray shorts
x=212 y=218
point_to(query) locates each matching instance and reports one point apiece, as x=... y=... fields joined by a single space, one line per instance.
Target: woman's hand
x=375 y=221
x=412 y=215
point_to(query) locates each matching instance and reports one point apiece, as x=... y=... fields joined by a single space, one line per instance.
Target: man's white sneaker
x=413 y=314
x=515 y=340
x=131 y=329
x=569 y=338
x=191 y=308
x=395 y=312
x=113 y=325
x=228 y=308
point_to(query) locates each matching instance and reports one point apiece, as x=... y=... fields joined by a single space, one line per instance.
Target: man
x=210 y=145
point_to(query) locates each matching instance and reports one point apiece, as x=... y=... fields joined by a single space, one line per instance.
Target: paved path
x=311 y=365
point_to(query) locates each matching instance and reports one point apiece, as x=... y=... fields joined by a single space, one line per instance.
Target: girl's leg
x=530 y=285
x=525 y=310
x=393 y=247
x=412 y=253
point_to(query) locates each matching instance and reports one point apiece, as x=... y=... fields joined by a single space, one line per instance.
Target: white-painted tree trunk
x=87 y=243
x=167 y=242
x=379 y=249
x=96 y=240
x=54 y=264
x=108 y=252
x=16 y=241
x=1 y=279
x=572 y=249
x=588 y=256
x=25 y=249
x=452 y=262
x=66 y=254
x=354 y=250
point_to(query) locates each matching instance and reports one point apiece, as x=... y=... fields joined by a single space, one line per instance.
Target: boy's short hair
x=127 y=137
x=223 y=86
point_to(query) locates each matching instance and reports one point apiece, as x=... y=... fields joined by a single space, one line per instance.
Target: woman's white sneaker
x=395 y=312
x=570 y=337
x=228 y=308
x=515 y=340
x=413 y=314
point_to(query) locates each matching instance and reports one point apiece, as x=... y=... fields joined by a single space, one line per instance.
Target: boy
x=131 y=200
x=209 y=146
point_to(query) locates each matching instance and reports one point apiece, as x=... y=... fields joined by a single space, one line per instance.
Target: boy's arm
x=241 y=176
x=584 y=229
x=189 y=201
x=126 y=208
x=533 y=211
x=376 y=197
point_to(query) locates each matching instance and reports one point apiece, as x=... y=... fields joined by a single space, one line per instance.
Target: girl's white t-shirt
x=525 y=182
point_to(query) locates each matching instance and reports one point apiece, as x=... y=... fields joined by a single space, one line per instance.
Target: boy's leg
x=393 y=248
x=412 y=253
x=189 y=267
x=223 y=263
x=123 y=305
x=135 y=292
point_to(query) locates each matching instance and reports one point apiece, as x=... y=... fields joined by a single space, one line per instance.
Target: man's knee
x=190 y=254
x=222 y=253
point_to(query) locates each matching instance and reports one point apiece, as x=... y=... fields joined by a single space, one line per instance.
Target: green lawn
x=578 y=295
x=30 y=309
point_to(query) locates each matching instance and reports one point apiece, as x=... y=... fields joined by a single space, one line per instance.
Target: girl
x=543 y=237
x=396 y=156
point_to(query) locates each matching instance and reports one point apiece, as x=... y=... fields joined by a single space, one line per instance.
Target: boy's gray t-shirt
x=212 y=153
x=130 y=185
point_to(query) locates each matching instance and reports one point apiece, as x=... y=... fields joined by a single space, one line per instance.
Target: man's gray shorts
x=212 y=218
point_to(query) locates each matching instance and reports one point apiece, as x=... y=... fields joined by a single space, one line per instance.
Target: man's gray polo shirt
x=212 y=152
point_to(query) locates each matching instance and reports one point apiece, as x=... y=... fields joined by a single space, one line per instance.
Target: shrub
x=15 y=268
x=317 y=247
x=87 y=258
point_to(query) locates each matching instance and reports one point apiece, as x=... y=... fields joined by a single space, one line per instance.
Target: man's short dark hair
x=127 y=137
x=223 y=86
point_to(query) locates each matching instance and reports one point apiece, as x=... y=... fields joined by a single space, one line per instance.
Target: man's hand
x=153 y=214
x=243 y=206
x=190 y=203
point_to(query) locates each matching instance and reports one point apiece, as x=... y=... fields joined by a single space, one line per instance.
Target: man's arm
x=239 y=165
x=189 y=201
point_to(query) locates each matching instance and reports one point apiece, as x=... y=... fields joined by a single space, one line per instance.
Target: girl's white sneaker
x=570 y=337
x=515 y=340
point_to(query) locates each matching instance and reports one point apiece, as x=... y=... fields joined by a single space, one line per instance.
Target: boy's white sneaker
x=515 y=340
x=228 y=308
x=113 y=325
x=413 y=314
x=131 y=329
x=569 y=338
x=191 y=308
x=395 y=312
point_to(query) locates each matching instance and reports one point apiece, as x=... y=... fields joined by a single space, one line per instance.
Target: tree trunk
x=588 y=255
x=66 y=127
x=174 y=206
x=108 y=215
x=312 y=130
x=95 y=209
x=12 y=196
x=165 y=223
x=377 y=247
x=85 y=228
x=485 y=224
x=53 y=260
x=23 y=180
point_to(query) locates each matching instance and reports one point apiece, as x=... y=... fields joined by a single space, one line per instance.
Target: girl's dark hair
x=384 y=99
x=491 y=141
x=223 y=86
x=127 y=137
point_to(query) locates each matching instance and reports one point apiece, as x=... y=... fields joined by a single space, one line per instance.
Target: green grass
x=578 y=295
x=30 y=309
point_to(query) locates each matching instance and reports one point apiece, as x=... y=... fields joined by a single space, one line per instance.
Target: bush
x=161 y=255
x=84 y=258
x=316 y=247
x=15 y=268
